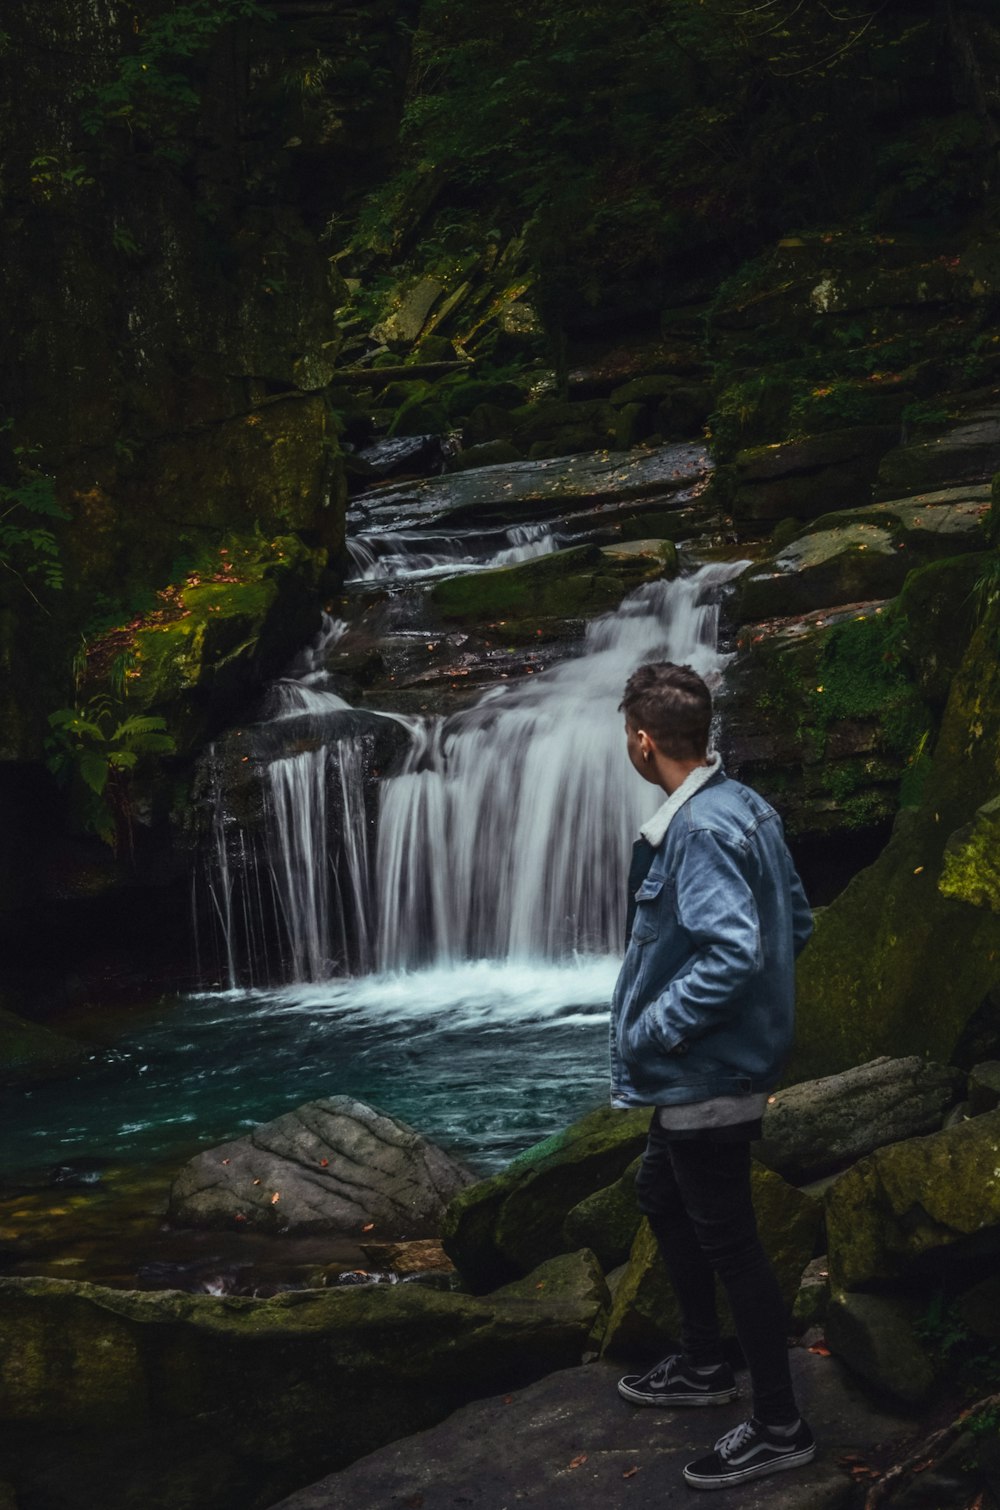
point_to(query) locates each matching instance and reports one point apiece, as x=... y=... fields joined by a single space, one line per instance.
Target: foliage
x=98 y=751
x=28 y=549
x=155 y=88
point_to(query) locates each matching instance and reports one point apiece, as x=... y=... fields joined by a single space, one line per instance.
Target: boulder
x=968 y=452
x=644 y=1314
x=811 y=476
x=875 y=1337
x=971 y=869
x=812 y=1128
x=329 y=1166
x=984 y=1087
x=912 y=1207
x=607 y=1221
x=112 y=1399
x=408 y=312
x=504 y=1226
x=490 y=453
x=897 y=966
x=863 y=553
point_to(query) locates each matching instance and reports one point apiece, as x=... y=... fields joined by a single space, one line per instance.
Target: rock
x=607 y=1221
x=662 y=552
x=417 y=1257
x=875 y=1338
x=896 y=966
x=913 y=1206
x=490 y=453
x=645 y=1316
x=862 y=553
x=506 y=1225
x=984 y=1087
x=979 y=1308
x=112 y=1399
x=937 y=609
x=810 y=1305
x=808 y=477
x=329 y=1166
x=811 y=1128
x=411 y=454
x=969 y=452
x=568 y=1441
x=578 y=582
x=31 y=1054
x=535 y=490
x=408 y=315
x=972 y=860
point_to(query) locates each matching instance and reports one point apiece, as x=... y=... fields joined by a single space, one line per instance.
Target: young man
x=701 y=1026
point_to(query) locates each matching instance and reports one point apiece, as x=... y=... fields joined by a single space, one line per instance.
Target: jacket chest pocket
x=648 y=909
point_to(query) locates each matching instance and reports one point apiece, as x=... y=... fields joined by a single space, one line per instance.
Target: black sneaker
x=675 y=1382
x=748 y=1452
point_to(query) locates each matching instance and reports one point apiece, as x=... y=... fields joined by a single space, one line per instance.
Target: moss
x=972 y=860
x=606 y=1221
x=32 y=1053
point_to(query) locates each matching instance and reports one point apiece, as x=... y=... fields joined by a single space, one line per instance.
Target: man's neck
x=672 y=774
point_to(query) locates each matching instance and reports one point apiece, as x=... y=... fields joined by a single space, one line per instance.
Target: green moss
x=568 y=584
x=972 y=860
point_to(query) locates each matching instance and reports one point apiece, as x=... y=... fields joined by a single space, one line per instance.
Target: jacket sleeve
x=717 y=909
x=802 y=918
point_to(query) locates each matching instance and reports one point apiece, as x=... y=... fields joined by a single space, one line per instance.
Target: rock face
x=875 y=1336
x=30 y=1052
x=328 y=1166
x=645 y=1316
x=813 y=1127
x=233 y=1403
x=805 y=478
x=504 y=1226
x=909 y=1207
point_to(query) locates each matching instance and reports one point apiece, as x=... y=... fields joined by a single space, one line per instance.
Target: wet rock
x=911 y=1207
x=112 y=1399
x=811 y=476
x=811 y=1128
x=969 y=452
x=645 y=1314
x=329 y=1166
x=412 y=454
x=874 y=1336
x=490 y=453
x=504 y=1226
x=409 y=1258
x=535 y=490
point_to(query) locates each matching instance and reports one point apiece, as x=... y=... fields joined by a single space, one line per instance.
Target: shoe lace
x=663 y=1371
x=737 y=1438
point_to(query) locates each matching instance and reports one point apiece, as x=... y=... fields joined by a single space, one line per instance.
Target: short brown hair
x=673 y=705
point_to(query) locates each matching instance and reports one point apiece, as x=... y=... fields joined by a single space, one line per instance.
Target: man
x=701 y=1026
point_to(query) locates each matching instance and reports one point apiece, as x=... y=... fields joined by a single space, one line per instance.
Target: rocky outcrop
x=31 y=1053
x=329 y=1166
x=908 y=1209
x=197 y=1400
x=819 y=1125
x=504 y=1226
x=804 y=478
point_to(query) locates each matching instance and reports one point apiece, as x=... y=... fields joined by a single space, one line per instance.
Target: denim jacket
x=704 y=1002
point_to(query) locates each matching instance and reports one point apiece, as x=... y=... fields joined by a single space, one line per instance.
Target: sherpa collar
x=656 y=829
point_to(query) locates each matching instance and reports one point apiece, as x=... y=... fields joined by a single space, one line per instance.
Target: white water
x=397 y=557
x=302 y=691
x=508 y=834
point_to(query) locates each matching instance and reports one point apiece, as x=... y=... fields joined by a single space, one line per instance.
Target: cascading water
x=504 y=836
x=390 y=556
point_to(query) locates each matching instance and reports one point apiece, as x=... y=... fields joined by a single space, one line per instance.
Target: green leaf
x=94 y=770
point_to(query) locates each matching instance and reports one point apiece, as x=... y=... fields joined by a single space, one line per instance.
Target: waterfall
x=504 y=833
x=508 y=835
x=392 y=556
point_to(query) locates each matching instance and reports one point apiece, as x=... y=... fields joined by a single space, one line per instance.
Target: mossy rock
x=875 y=1336
x=896 y=966
x=937 y=608
x=809 y=477
x=31 y=1054
x=645 y=1316
x=971 y=869
x=492 y=453
x=420 y=416
x=967 y=452
x=460 y=399
x=112 y=1399
x=910 y=1208
x=606 y=1221
x=568 y=584
x=506 y=1225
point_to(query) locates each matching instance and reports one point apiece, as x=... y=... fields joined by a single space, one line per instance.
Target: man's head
x=669 y=706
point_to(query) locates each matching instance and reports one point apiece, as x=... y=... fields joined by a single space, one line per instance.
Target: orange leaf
x=630 y=1473
x=225 y=1161
x=820 y=1349
x=508 y=1399
x=369 y=1228
x=276 y=1197
x=579 y=1462
x=323 y=1163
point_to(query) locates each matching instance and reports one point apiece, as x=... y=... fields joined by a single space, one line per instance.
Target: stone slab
x=519 y=1449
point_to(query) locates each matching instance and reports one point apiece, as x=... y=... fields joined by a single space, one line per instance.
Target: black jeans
x=696 y=1194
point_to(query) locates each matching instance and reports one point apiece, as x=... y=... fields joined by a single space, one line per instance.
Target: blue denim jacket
x=705 y=999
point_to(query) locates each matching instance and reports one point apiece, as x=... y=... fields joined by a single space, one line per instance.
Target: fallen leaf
x=256 y=1182
x=323 y=1163
x=369 y=1228
x=630 y=1473
x=276 y=1197
x=820 y=1349
x=579 y=1462
x=225 y=1161
x=508 y=1399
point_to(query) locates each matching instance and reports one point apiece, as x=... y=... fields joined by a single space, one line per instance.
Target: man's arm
x=717 y=908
